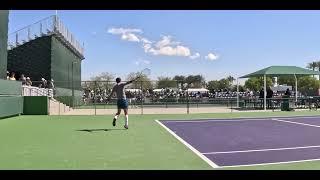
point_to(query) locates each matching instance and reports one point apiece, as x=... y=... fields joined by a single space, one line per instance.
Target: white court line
x=303 y=117
x=211 y=163
x=273 y=163
x=218 y=120
x=258 y=150
x=239 y=119
x=245 y=118
x=304 y=124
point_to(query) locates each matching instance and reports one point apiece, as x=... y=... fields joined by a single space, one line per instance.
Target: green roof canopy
x=281 y=71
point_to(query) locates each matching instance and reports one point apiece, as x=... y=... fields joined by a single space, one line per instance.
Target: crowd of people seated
x=100 y=95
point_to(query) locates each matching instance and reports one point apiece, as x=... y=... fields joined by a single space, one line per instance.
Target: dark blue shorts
x=122 y=104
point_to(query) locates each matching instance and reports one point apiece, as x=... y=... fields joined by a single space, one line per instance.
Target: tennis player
x=122 y=102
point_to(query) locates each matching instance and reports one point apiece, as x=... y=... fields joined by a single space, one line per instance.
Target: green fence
x=66 y=96
x=35 y=105
x=11 y=101
x=3 y=42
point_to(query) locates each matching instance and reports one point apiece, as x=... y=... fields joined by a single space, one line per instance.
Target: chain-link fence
x=143 y=95
x=92 y=98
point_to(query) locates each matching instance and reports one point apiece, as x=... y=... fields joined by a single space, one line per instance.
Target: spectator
x=28 y=81
x=51 y=85
x=269 y=95
x=251 y=93
x=269 y=92
x=12 y=76
x=23 y=79
x=261 y=94
x=8 y=75
x=43 y=83
x=287 y=93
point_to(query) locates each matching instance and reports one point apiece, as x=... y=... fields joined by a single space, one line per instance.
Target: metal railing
x=36 y=91
x=45 y=27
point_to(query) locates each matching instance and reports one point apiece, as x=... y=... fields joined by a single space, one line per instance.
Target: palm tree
x=313 y=65
x=318 y=66
x=231 y=79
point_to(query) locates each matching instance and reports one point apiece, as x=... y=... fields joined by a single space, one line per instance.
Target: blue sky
x=213 y=43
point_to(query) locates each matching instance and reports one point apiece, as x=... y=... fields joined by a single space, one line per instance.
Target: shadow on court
x=95 y=130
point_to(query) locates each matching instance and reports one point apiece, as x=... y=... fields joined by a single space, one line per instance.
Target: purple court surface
x=249 y=141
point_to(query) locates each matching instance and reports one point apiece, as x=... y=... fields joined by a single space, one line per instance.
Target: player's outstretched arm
x=129 y=82
x=113 y=90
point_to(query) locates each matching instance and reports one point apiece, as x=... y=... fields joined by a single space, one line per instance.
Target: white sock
x=127 y=120
x=116 y=117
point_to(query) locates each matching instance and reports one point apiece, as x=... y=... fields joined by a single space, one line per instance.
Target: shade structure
x=279 y=71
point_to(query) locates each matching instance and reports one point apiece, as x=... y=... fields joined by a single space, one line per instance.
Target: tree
x=241 y=88
x=224 y=83
x=217 y=85
x=213 y=85
x=195 y=81
x=102 y=81
x=257 y=83
x=231 y=79
x=143 y=81
x=318 y=66
x=313 y=65
x=308 y=84
x=180 y=80
x=288 y=80
x=305 y=83
x=166 y=82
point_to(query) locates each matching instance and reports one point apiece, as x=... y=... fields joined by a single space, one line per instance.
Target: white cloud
x=130 y=37
x=127 y=34
x=212 y=57
x=145 y=40
x=165 y=46
x=123 y=30
x=165 y=41
x=171 y=51
x=195 y=56
x=146 y=47
x=94 y=33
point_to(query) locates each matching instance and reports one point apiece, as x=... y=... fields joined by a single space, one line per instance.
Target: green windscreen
x=11 y=101
x=3 y=42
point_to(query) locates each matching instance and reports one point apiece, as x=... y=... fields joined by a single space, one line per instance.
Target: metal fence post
x=167 y=101
x=17 y=39
x=94 y=98
x=187 y=102
x=141 y=98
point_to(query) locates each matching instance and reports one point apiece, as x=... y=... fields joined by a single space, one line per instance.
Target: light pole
x=72 y=83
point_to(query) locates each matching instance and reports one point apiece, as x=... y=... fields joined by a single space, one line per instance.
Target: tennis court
x=249 y=141
x=91 y=142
